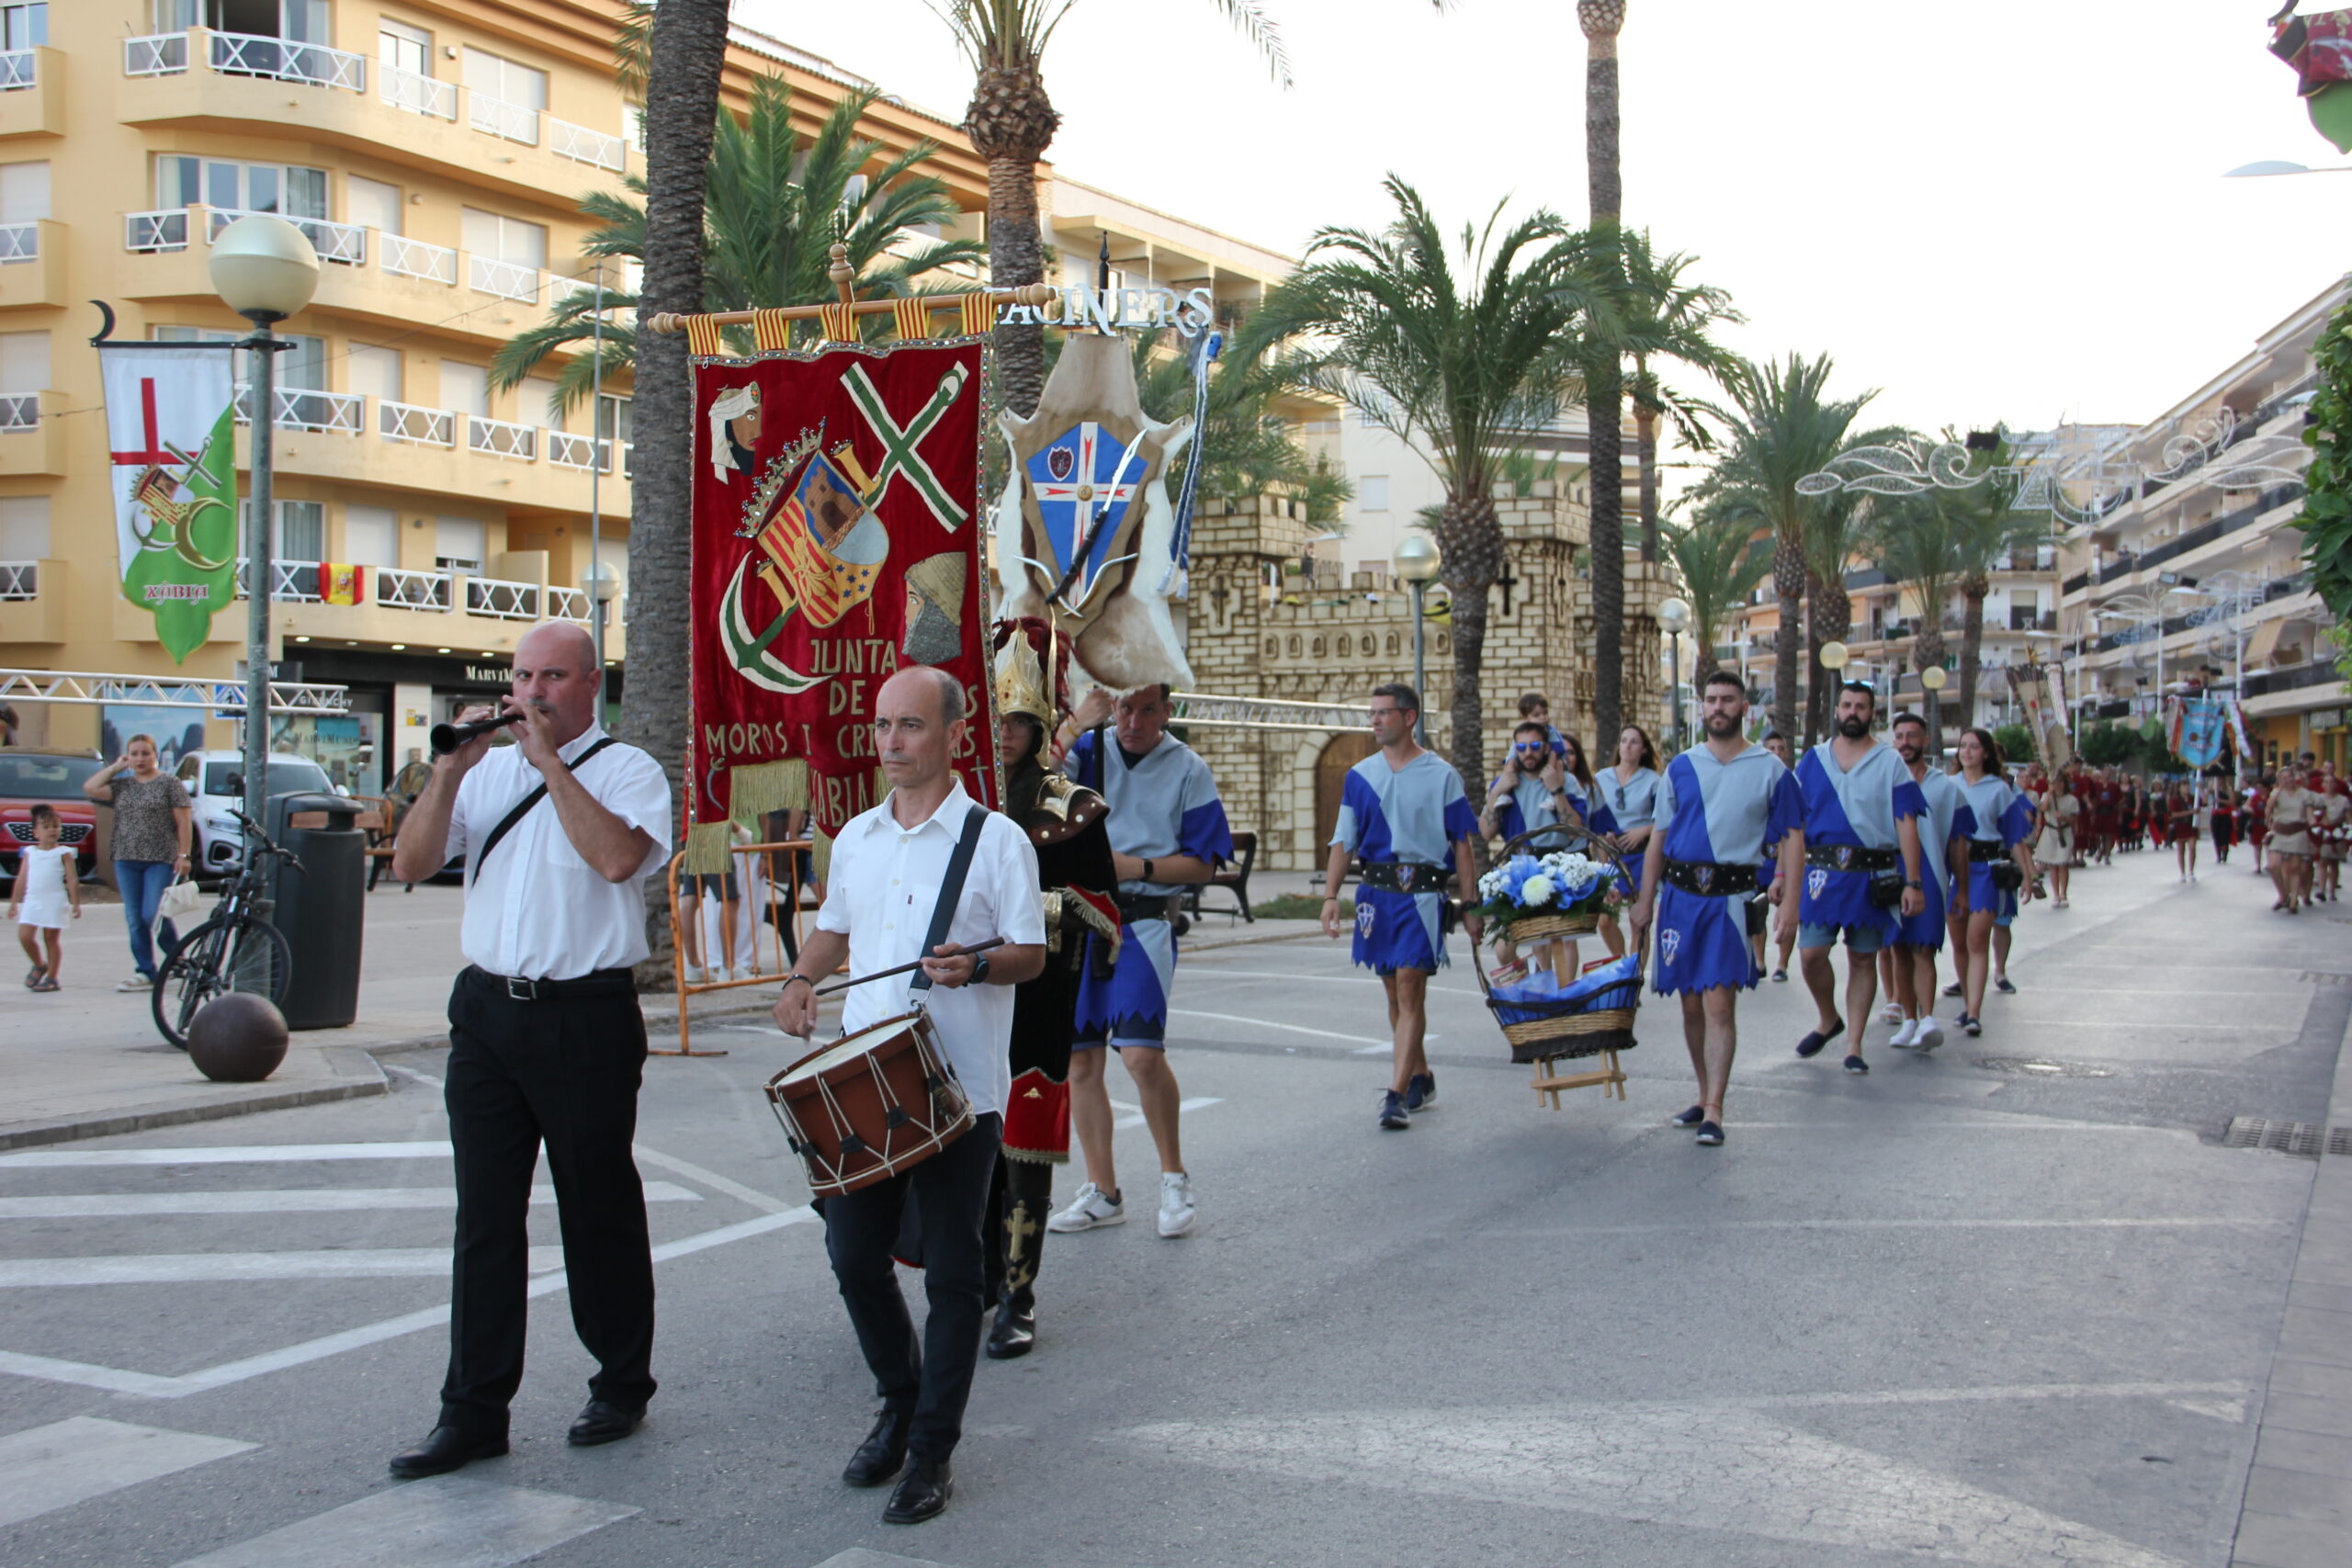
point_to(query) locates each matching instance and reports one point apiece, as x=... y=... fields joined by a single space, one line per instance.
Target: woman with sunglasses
x=1535 y=790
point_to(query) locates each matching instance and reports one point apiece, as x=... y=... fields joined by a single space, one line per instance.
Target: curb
x=366 y=1079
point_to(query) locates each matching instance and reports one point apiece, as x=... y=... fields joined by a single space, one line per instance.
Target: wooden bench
x=1233 y=876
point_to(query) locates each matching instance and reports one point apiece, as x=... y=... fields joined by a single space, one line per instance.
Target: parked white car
x=216 y=786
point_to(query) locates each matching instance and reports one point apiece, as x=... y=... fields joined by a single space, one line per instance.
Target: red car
x=34 y=775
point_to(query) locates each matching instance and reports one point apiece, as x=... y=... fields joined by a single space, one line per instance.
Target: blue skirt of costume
x=1702 y=944
x=1927 y=929
x=1131 y=1006
x=1983 y=894
x=1398 y=930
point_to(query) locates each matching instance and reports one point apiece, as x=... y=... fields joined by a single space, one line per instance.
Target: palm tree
x=774 y=205
x=1833 y=532
x=1604 y=379
x=685 y=56
x=1782 y=426
x=1986 y=529
x=1915 y=540
x=1672 y=319
x=1720 y=561
x=1012 y=122
x=1459 y=364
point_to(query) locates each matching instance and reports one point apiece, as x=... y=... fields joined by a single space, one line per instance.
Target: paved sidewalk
x=88 y=1061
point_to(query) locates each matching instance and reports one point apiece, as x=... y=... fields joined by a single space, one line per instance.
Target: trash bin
x=320 y=910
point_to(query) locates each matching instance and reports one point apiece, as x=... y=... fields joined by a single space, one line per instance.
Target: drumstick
x=905 y=968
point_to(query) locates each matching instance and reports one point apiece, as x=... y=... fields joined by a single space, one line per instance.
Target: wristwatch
x=1909 y=883
x=979 y=971
x=1147 y=869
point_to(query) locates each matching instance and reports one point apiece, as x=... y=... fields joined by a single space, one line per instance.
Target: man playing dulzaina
x=1719 y=806
x=1861 y=822
x=1403 y=809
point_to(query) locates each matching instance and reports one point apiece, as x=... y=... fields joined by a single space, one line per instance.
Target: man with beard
x=1944 y=843
x=1719 y=808
x=1067 y=827
x=1862 y=871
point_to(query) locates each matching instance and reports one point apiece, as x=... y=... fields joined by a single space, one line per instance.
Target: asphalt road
x=2009 y=1304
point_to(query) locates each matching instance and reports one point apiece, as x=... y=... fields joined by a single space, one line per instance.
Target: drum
x=870 y=1105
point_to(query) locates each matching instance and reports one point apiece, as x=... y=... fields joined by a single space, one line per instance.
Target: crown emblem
x=776 y=478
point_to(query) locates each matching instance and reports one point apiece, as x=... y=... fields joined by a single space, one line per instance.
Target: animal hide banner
x=1086 y=537
x=2041 y=695
x=837 y=537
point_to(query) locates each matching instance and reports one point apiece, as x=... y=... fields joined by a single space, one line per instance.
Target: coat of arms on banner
x=835 y=541
x=172 y=439
x=1085 y=531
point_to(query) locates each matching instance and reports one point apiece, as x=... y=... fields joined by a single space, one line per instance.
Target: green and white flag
x=171 y=432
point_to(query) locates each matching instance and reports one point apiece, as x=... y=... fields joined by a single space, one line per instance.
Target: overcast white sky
x=2002 y=209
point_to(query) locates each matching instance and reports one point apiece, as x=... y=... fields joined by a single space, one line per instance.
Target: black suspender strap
x=951 y=893
x=522 y=809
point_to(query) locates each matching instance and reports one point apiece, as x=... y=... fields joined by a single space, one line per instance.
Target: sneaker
x=1929 y=1035
x=1175 y=1203
x=1952 y=989
x=696 y=974
x=1420 y=1091
x=1904 y=1034
x=138 y=983
x=1091 y=1210
x=1391 y=1112
x=2001 y=984
x=1689 y=1117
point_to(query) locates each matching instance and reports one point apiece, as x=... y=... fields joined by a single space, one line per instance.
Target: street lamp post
x=1417 y=560
x=264 y=269
x=1673 y=616
x=602 y=584
x=1931 y=680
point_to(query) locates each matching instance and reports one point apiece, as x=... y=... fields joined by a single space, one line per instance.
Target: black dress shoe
x=879 y=1457
x=1015 y=1333
x=923 y=1494
x=448 y=1449
x=604 y=1422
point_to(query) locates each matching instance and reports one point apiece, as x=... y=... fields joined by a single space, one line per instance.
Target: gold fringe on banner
x=911 y=317
x=771 y=330
x=757 y=788
x=703 y=336
x=978 y=313
x=839 y=322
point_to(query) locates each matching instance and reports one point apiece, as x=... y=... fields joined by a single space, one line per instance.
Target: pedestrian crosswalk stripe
x=188 y=1268
x=449 y=1521
x=1135 y=1116
x=269 y=1201
x=71 y=1461
x=230 y=1155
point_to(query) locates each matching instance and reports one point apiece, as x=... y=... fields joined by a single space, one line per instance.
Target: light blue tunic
x=1857 y=808
x=1409 y=816
x=1722 y=813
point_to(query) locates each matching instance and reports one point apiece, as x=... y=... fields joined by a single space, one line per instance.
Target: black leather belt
x=1403 y=876
x=1708 y=879
x=1847 y=857
x=1983 y=852
x=520 y=988
x=1146 y=906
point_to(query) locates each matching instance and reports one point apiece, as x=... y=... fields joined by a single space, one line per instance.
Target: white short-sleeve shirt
x=880 y=891
x=537 y=909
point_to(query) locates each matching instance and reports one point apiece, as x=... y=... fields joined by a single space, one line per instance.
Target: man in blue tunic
x=1404 y=809
x=1862 y=871
x=1719 y=807
x=1168 y=830
x=1944 y=846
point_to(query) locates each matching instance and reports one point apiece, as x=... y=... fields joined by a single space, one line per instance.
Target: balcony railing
x=567 y=604
x=417 y=94
x=512 y=122
x=508 y=280
x=2295 y=678
x=407 y=421
x=161 y=231
x=21 y=411
x=344 y=242
x=155 y=54
x=566 y=450
x=414 y=258
x=407 y=590
x=18 y=70
x=20 y=580
x=503 y=600
x=502 y=438
x=313 y=64
x=19 y=243
x=582 y=145
x=300 y=408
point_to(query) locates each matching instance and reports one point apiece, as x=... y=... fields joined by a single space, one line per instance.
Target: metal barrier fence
x=768 y=880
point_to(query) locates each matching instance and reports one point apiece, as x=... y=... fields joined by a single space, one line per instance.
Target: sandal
x=45 y=983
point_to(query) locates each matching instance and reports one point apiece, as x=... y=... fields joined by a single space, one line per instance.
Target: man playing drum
x=1406 y=811
x=884 y=883
x=1719 y=808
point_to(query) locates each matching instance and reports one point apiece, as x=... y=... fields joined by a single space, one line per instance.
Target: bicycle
x=235 y=949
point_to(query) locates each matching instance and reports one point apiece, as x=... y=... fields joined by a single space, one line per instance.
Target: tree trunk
x=1016 y=258
x=1788 y=587
x=688 y=53
x=1604 y=389
x=1816 y=681
x=1971 y=642
x=1645 y=454
x=1470 y=536
x=1703 y=662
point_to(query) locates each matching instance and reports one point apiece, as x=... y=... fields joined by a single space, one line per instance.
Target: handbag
x=1885 y=891
x=2007 y=875
x=181 y=899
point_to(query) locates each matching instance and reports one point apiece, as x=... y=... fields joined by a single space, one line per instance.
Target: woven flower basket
x=1548 y=928
x=1548 y=1032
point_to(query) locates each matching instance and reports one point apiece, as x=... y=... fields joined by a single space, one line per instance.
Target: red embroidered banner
x=837 y=536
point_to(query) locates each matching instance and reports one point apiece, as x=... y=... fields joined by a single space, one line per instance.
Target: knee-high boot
x=1028 y=1202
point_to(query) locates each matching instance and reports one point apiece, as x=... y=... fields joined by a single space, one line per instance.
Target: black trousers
x=565 y=1074
x=927 y=1386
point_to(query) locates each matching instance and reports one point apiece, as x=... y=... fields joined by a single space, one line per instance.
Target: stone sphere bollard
x=237 y=1037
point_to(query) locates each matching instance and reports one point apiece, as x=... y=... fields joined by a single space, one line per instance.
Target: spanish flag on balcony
x=343 y=584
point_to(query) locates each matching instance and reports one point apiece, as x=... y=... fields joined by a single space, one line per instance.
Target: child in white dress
x=46 y=888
